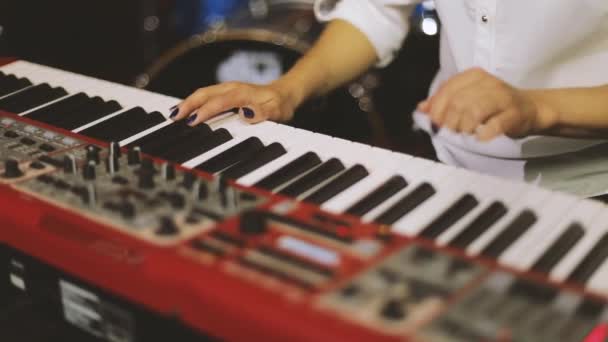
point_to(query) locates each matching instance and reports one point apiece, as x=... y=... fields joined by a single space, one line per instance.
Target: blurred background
x=176 y=46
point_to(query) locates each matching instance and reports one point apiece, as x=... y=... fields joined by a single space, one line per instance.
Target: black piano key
x=199 y=144
x=408 y=203
x=24 y=94
x=166 y=132
x=123 y=125
x=510 y=234
x=336 y=186
x=326 y=170
x=134 y=126
x=591 y=262
x=379 y=195
x=559 y=248
x=108 y=129
x=232 y=155
x=255 y=161
x=290 y=171
x=11 y=84
x=30 y=98
x=185 y=139
x=457 y=211
x=79 y=116
x=480 y=225
x=59 y=107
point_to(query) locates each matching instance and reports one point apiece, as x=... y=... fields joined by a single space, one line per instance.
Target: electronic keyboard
x=273 y=226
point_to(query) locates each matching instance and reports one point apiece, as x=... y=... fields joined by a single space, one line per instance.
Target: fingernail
x=174 y=112
x=248 y=112
x=191 y=119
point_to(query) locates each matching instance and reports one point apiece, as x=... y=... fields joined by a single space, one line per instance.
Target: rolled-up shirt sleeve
x=384 y=22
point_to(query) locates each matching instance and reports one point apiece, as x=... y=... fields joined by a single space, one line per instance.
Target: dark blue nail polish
x=248 y=112
x=191 y=119
x=174 y=112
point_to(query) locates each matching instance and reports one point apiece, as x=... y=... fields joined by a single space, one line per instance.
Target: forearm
x=573 y=112
x=341 y=54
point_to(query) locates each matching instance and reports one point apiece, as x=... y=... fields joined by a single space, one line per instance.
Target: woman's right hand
x=255 y=103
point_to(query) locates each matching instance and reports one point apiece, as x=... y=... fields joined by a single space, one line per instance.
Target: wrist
x=546 y=118
x=291 y=93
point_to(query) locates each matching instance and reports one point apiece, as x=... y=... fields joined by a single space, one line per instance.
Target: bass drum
x=257 y=45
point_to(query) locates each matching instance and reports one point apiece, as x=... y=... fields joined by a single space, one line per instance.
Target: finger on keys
x=216 y=106
x=444 y=97
x=200 y=98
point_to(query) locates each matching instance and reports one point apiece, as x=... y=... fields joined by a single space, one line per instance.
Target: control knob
x=11 y=169
x=253 y=222
x=88 y=172
x=134 y=156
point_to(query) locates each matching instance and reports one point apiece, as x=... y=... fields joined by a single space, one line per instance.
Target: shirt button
x=484 y=18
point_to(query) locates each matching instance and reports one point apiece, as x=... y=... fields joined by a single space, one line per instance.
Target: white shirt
x=527 y=43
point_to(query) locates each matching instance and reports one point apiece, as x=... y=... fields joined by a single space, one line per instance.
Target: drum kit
x=258 y=43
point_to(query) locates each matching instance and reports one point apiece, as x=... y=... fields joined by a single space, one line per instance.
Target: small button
x=28 y=141
x=167 y=227
x=120 y=180
x=11 y=134
x=62 y=185
x=11 y=169
x=192 y=219
x=126 y=209
x=350 y=291
x=393 y=310
x=37 y=165
x=46 y=179
x=177 y=200
x=484 y=18
x=47 y=147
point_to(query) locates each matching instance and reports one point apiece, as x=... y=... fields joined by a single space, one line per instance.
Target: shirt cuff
x=384 y=23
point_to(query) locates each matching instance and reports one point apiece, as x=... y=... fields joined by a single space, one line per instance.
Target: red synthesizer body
x=151 y=251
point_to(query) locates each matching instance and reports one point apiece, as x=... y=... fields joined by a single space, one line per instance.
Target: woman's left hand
x=476 y=102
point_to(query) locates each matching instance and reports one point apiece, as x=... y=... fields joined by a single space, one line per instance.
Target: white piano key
x=487 y=190
x=526 y=251
x=534 y=199
x=597 y=228
x=417 y=172
x=598 y=282
x=271 y=167
x=352 y=195
x=212 y=153
x=13 y=93
x=95 y=122
x=319 y=185
x=252 y=132
x=142 y=134
x=126 y=96
x=412 y=223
